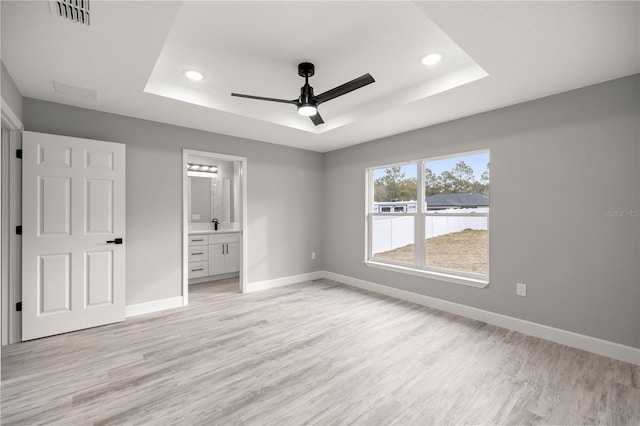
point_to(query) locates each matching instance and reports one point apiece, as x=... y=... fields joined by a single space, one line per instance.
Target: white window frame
x=419 y=268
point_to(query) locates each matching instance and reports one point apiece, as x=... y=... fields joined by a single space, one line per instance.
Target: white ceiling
x=495 y=54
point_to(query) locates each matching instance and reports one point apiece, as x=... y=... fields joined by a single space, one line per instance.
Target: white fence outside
x=389 y=233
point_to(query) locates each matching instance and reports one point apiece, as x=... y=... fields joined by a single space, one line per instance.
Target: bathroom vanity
x=213 y=254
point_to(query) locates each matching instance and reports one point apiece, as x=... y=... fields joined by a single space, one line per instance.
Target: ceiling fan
x=307 y=102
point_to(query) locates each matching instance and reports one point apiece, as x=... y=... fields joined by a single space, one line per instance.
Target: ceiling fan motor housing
x=306 y=95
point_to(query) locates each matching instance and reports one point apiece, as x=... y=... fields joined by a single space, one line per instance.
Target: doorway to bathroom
x=214 y=200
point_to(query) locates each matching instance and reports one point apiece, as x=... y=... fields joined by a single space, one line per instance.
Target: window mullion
x=418 y=247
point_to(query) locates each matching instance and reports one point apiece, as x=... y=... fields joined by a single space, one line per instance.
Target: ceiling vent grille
x=75 y=91
x=73 y=10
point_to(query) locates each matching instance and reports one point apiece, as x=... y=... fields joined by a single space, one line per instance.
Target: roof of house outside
x=460 y=200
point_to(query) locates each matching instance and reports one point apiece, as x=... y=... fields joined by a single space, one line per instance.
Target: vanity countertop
x=209 y=231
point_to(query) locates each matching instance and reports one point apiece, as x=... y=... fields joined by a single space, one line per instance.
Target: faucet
x=215 y=224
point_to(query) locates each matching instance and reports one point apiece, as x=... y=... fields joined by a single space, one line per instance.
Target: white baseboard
x=580 y=341
x=153 y=306
x=212 y=278
x=279 y=282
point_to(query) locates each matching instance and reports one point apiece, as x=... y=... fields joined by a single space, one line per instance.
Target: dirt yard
x=461 y=251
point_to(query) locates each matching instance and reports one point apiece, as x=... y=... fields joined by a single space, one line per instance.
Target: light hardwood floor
x=312 y=353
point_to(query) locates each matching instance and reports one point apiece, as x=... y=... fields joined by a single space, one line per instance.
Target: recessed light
x=432 y=58
x=194 y=75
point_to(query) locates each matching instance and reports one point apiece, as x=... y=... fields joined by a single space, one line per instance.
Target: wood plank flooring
x=312 y=353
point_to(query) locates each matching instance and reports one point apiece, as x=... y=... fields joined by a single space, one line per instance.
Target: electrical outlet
x=313 y=255
x=521 y=289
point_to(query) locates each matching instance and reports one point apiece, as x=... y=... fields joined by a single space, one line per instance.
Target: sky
x=477 y=161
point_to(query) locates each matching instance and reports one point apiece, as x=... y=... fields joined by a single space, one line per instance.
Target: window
x=431 y=217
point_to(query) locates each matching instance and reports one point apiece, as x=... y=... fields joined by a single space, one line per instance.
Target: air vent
x=75 y=91
x=73 y=10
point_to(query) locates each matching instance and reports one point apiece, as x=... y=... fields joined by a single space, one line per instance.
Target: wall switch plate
x=521 y=289
x=313 y=255
x=195 y=217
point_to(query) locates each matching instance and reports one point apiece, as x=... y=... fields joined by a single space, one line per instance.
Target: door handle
x=116 y=241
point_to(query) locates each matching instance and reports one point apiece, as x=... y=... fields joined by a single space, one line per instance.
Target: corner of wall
x=11 y=96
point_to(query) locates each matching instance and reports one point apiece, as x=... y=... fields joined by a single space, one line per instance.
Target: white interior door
x=73 y=256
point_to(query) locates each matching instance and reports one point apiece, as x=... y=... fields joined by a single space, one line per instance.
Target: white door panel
x=99 y=278
x=54 y=283
x=99 y=206
x=73 y=207
x=54 y=198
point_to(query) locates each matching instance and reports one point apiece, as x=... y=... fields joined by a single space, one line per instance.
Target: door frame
x=12 y=212
x=185 y=217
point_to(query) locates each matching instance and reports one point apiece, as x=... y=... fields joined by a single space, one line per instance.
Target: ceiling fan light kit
x=307 y=103
x=307 y=110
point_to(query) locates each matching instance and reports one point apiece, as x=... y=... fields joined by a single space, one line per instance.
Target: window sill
x=455 y=279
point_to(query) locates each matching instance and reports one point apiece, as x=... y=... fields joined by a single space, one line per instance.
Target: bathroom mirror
x=213 y=192
x=211 y=198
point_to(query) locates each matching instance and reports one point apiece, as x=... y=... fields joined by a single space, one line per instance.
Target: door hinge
x=19 y=153
x=19 y=306
x=19 y=230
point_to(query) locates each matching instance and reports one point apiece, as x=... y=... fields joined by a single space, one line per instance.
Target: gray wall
x=284 y=188
x=10 y=92
x=557 y=165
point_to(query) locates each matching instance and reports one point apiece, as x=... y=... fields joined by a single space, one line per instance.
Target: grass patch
x=461 y=251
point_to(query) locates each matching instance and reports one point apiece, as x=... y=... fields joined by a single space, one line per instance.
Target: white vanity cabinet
x=212 y=254
x=198 y=256
x=223 y=254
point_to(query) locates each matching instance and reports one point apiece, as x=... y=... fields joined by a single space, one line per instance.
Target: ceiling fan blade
x=345 y=88
x=317 y=120
x=260 y=98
